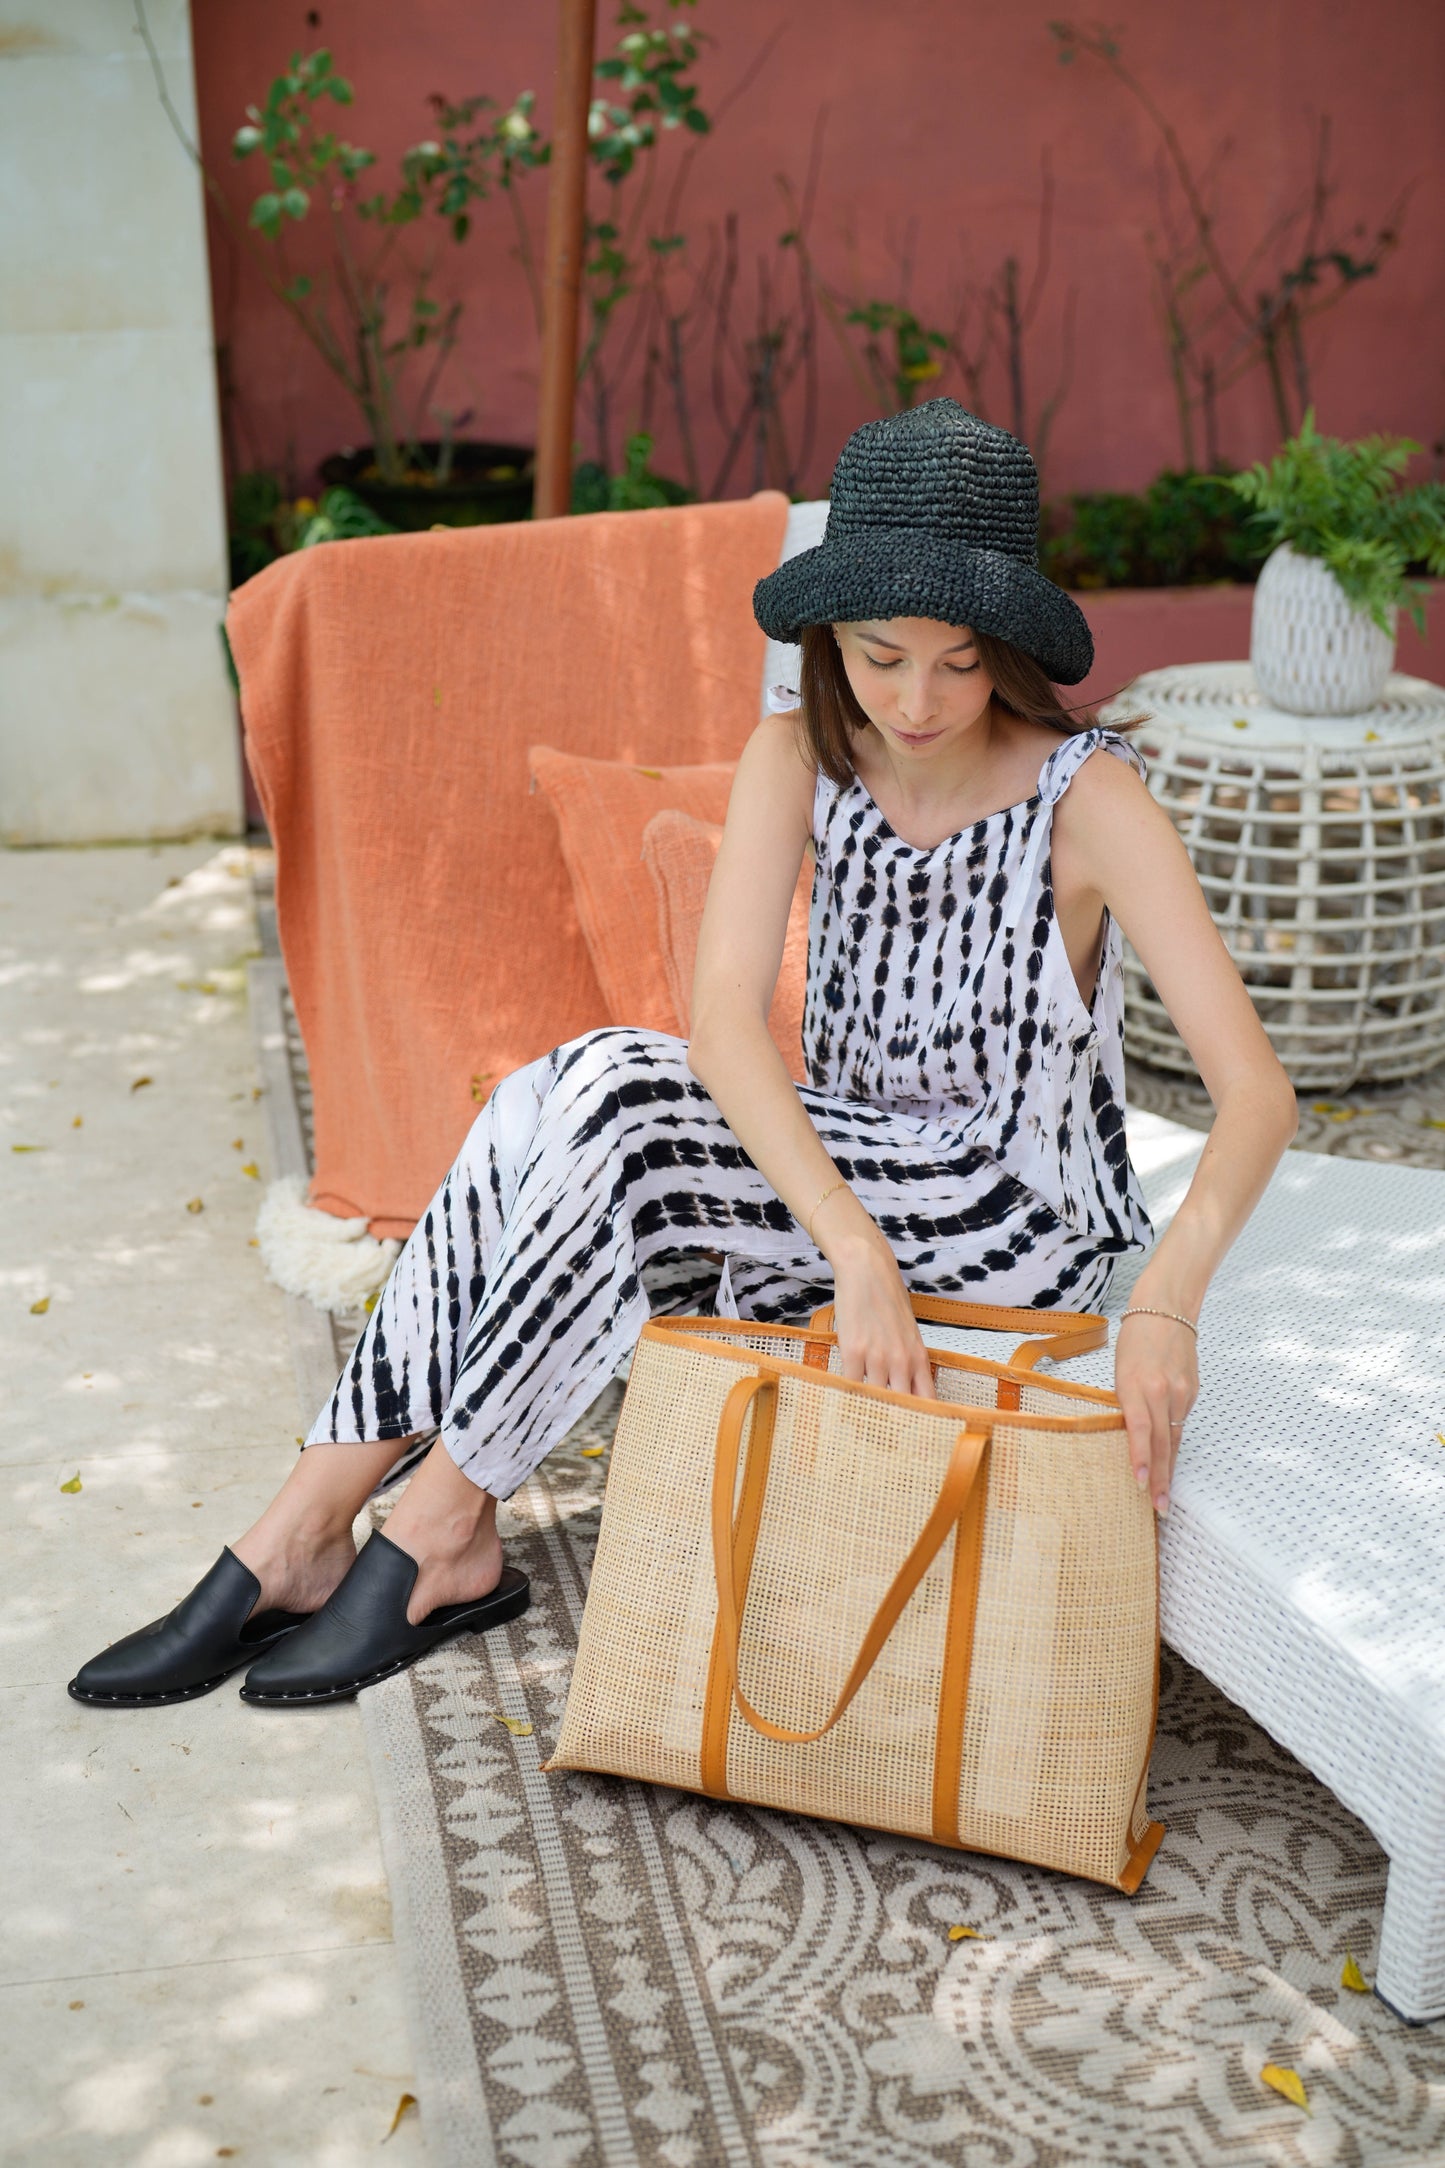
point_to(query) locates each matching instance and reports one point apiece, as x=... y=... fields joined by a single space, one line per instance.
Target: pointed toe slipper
x=363 y=1635
x=190 y=1651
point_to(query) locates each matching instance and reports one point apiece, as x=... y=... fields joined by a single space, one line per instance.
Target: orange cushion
x=680 y=853
x=602 y=808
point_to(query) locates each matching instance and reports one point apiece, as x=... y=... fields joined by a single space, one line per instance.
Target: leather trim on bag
x=717 y=1705
x=958 y=1658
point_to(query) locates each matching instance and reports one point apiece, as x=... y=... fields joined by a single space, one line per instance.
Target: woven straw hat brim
x=900 y=572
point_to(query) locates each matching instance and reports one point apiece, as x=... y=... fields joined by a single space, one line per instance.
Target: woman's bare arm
x=1114 y=845
x=730 y=1051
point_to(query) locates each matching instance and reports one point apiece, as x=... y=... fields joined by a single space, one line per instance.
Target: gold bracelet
x=839 y=1184
x=1176 y=1316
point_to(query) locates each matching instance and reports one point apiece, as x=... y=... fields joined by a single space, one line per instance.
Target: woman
x=976 y=860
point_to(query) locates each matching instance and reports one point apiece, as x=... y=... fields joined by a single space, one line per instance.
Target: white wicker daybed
x=1302 y=1564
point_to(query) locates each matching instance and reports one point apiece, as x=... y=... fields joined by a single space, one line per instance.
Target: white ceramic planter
x=1312 y=651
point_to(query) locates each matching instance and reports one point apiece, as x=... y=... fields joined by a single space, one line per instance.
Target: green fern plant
x=1346 y=504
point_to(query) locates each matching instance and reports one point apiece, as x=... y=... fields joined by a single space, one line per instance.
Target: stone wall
x=116 y=715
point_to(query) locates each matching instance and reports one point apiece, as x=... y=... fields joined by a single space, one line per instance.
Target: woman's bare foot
x=296 y=1576
x=450 y=1527
x=301 y=1548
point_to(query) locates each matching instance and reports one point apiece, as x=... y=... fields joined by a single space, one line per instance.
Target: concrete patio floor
x=197 y=1961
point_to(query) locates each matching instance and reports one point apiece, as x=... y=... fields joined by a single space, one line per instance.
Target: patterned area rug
x=602 y=1974
x=605 y=1973
x=1404 y=1122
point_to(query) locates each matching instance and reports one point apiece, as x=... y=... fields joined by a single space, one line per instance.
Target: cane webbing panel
x=1060 y=1706
x=1319 y=842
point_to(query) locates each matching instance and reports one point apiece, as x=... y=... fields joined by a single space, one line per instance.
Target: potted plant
x=371 y=312
x=1346 y=533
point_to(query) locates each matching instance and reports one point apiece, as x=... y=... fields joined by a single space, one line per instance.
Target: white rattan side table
x=1320 y=844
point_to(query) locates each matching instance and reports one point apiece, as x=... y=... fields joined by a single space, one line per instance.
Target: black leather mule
x=362 y=1634
x=190 y=1651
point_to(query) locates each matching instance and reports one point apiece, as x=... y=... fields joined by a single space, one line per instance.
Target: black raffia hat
x=933 y=514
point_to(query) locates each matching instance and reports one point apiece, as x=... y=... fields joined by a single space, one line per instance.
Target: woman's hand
x=1156 y=1376
x=878 y=1336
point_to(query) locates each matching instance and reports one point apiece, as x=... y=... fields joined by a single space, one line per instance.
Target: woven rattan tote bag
x=935 y=1617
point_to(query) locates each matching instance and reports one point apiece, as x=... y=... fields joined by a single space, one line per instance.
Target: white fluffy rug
x=333 y=1262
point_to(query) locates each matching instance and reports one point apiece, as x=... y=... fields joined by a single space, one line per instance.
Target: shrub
x=1184 y=530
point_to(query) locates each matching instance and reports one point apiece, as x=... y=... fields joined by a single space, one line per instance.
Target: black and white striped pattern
x=951 y=1058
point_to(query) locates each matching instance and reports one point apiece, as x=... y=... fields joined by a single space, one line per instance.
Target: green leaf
x=266 y=214
x=295 y=203
x=698 y=122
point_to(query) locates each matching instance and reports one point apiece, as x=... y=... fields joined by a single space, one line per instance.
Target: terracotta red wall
x=937 y=114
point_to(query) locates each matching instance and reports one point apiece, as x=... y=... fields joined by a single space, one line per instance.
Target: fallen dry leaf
x=78 y=1122
x=38 y=1309
x=590 y=1452
x=1431 y=1123
x=479 y=1087
x=372 y=1300
x=654 y=775
x=1287 y=2082
x=141 y=1082
x=516 y=1725
x=195 y=1204
x=75 y=2006
x=1353 y=1978
x=252 y=1170
x=256 y=1090
x=29 y=1147
x=253 y=1242
x=1241 y=722
x=73 y=1485
x=404 y=2106
x=967 y=1934
x=238 y=1144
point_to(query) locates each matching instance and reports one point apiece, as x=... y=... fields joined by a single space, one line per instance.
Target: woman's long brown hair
x=832 y=718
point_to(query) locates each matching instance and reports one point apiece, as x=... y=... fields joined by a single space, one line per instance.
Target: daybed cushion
x=680 y=853
x=602 y=809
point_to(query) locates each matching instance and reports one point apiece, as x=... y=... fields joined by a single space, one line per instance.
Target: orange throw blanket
x=390 y=689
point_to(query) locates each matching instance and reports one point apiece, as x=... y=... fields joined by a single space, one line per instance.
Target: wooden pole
x=562 y=273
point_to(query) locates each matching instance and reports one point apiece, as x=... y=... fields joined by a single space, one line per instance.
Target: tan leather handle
x=1085 y=1330
x=966 y=1463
